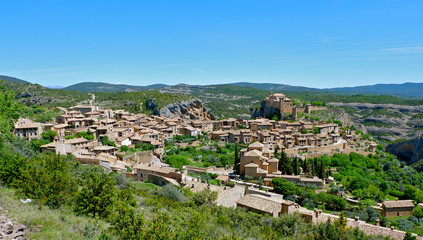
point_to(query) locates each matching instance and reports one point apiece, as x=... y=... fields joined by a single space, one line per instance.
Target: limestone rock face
x=11 y=230
x=193 y=109
x=408 y=151
x=386 y=121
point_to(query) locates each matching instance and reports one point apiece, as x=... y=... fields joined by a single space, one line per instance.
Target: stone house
x=397 y=208
x=25 y=128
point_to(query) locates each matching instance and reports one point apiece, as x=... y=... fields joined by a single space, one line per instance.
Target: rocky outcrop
x=386 y=121
x=193 y=109
x=11 y=230
x=408 y=151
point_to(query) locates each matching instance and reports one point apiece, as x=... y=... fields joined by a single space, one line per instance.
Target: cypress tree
x=322 y=169
x=305 y=166
x=237 y=160
x=295 y=166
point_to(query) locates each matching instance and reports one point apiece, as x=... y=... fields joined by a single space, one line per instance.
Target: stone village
x=295 y=137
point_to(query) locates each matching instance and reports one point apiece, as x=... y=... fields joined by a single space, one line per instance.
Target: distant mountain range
x=404 y=90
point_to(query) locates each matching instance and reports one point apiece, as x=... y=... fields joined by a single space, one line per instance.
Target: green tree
x=11 y=165
x=295 y=166
x=285 y=166
x=322 y=169
x=204 y=197
x=237 y=159
x=171 y=192
x=97 y=196
x=284 y=187
x=418 y=212
x=341 y=222
x=127 y=223
x=47 y=179
x=49 y=135
x=408 y=236
x=124 y=148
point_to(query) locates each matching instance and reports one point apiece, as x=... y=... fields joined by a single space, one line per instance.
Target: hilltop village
x=105 y=136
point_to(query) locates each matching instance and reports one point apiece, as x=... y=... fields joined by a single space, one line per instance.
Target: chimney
x=392 y=228
x=377 y=222
x=193 y=185
x=356 y=218
x=246 y=190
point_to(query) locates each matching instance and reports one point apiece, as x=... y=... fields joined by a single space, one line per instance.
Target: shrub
x=49 y=135
x=48 y=180
x=11 y=165
x=204 y=197
x=284 y=187
x=97 y=196
x=171 y=192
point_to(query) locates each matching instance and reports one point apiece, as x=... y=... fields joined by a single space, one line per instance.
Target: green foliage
x=177 y=161
x=408 y=236
x=127 y=223
x=87 y=135
x=418 y=212
x=341 y=222
x=171 y=192
x=105 y=141
x=204 y=197
x=124 y=148
x=285 y=187
x=97 y=196
x=11 y=165
x=47 y=179
x=10 y=111
x=285 y=164
x=37 y=143
x=49 y=135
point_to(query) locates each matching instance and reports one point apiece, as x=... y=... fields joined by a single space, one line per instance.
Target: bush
x=97 y=196
x=418 y=212
x=176 y=161
x=11 y=165
x=49 y=135
x=204 y=197
x=47 y=179
x=171 y=192
x=37 y=143
x=124 y=148
x=284 y=187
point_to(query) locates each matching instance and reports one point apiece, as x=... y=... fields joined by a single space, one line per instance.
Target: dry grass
x=45 y=223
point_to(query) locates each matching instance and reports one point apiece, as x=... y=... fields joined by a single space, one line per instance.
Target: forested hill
x=13 y=79
x=106 y=87
x=136 y=101
x=405 y=90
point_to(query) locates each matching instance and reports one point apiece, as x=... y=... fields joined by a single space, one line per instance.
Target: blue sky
x=308 y=43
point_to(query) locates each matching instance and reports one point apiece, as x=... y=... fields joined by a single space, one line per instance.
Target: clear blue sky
x=315 y=43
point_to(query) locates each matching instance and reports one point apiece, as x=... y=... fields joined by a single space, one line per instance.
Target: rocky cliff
x=386 y=121
x=193 y=109
x=409 y=151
